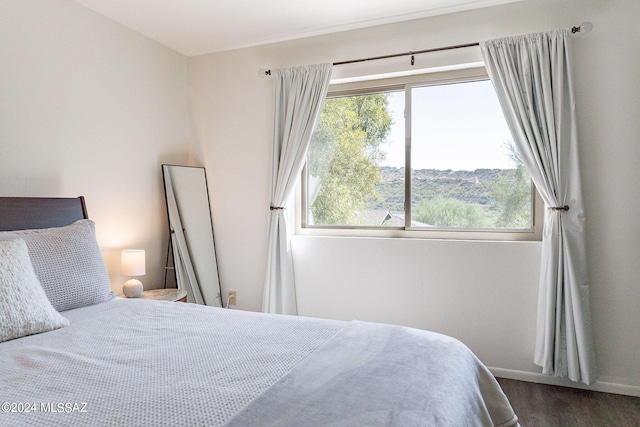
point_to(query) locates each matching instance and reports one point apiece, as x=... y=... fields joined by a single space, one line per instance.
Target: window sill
x=452 y=235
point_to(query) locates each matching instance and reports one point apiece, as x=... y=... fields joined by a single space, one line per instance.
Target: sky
x=455 y=126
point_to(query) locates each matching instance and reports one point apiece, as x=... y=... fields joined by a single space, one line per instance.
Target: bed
x=74 y=354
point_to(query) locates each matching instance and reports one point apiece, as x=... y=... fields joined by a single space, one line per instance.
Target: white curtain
x=299 y=96
x=533 y=78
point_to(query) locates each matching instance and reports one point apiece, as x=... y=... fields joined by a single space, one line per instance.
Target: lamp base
x=132 y=288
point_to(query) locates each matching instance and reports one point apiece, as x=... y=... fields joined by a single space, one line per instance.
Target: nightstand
x=175 y=295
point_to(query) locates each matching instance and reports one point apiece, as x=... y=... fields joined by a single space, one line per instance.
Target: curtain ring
x=275 y=208
x=559 y=208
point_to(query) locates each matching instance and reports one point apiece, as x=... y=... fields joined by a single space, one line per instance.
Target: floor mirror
x=191 y=231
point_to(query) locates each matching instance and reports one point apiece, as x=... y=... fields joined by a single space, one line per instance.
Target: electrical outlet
x=232 y=298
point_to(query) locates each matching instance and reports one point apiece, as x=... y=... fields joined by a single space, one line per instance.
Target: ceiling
x=194 y=27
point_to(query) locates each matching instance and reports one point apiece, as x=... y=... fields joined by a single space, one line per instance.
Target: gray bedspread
x=381 y=375
x=156 y=363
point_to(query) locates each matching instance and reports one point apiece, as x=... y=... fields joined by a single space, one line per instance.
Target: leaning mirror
x=191 y=229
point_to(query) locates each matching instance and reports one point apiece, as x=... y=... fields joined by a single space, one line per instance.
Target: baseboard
x=533 y=377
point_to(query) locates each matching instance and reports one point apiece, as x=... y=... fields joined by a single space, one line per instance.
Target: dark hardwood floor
x=547 y=405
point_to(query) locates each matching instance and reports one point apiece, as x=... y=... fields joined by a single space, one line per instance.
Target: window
x=420 y=157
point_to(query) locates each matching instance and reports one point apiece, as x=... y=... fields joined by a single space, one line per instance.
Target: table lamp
x=132 y=265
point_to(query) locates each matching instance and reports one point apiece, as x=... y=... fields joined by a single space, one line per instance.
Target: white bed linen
x=158 y=363
x=151 y=363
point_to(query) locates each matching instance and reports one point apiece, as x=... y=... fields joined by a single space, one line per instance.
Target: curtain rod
x=263 y=72
x=585 y=27
x=417 y=52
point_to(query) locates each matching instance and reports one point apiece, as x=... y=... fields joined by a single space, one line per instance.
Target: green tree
x=514 y=196
x=449 y=212
x=344 y=156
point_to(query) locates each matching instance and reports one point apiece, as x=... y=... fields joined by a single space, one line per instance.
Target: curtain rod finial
x=264 y=73
x=585 y=27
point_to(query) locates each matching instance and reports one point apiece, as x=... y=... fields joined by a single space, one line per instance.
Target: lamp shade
x=132 y=263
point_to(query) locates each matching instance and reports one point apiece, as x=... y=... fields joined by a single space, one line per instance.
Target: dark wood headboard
x=25 y=213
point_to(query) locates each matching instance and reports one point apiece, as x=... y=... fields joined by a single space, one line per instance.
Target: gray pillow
x=24 y=307
x=68 y=264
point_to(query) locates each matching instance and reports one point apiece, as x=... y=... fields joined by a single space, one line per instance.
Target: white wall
x=483 y=293
x=88 y=107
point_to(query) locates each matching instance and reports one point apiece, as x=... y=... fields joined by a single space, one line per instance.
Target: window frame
x=406 y=83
